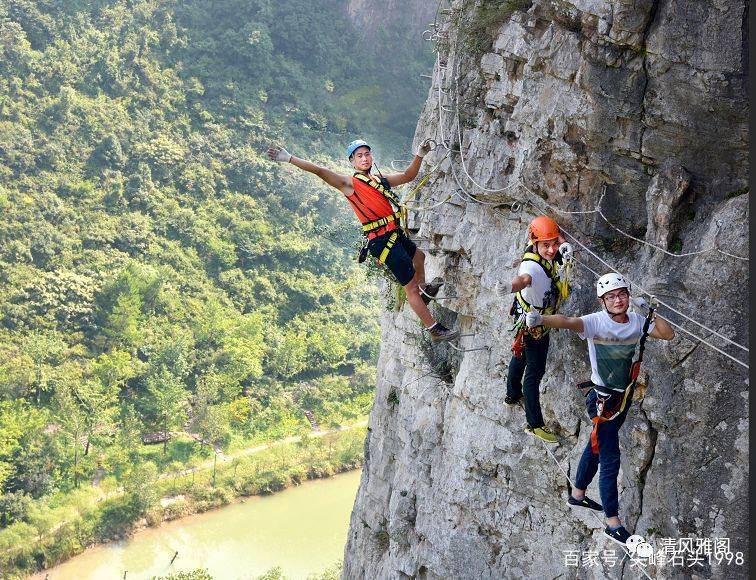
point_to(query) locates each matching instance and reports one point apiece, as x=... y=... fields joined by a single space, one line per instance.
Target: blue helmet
x=354 y=145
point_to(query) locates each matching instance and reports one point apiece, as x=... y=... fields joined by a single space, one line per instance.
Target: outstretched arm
x=411 y=172
x=518 y=283
x=341 y=182
x=555 y=321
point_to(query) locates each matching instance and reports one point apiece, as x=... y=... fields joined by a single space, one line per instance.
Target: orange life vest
x=372 y=203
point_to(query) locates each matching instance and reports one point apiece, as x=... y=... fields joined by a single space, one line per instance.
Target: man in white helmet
x=612 y=335
x=377 y=208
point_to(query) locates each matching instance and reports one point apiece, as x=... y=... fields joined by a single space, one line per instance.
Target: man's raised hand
x=426 y=147
x=279 y=154
x=566 y=250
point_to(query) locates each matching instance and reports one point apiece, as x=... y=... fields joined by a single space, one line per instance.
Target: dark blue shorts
x=399 y=260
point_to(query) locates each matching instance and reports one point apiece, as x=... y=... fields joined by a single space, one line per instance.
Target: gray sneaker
x=429 y=291
x=439 y=333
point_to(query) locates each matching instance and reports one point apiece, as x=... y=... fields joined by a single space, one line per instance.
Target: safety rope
x=661 y=302
x=686 y=331
x=598 y=518
x=595 y=210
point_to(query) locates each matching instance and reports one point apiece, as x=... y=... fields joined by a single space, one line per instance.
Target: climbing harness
x=560 y=290
x=387 y=248
x=518 y=344
x=603 y=414
x=365 y=189
x=369 y=225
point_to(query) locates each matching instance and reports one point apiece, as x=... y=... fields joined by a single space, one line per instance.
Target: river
x=302 y=529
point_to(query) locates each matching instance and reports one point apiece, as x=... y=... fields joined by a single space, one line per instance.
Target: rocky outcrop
x=640 y=106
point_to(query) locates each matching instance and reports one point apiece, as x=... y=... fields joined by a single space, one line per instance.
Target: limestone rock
x=645 y=103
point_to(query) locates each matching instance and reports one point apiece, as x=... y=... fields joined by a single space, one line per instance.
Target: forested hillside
x=158 y=274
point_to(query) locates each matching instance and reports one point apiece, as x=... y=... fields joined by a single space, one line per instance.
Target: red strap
x=594 y=436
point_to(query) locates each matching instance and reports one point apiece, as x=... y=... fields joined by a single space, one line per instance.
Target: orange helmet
x=543 y=228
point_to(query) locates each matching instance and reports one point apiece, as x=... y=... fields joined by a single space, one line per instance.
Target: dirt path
x=222 y=457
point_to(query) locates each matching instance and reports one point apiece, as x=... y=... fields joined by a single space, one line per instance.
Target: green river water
x=302 y=529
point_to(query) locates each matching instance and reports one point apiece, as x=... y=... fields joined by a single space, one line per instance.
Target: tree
x=73 y=421
x=212 y=422
x=98 y=402
x=167 y=402
x=43 y=348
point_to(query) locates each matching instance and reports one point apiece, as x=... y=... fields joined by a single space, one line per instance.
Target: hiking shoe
x=543 y=433
x=586 y=502
x=439 y=333
x=620 y=535
x=513 y=401
x=429 y=291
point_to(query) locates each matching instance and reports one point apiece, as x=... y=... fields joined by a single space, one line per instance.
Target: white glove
x=503 y=290
x=426 y=147
x=566 y=250
x=638 y=302
x=533 y=318
x=279 y=154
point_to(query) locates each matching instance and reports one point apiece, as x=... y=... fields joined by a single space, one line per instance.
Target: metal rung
x=455 y=347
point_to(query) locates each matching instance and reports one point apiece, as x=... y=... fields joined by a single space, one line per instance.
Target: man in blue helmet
x=378 y=209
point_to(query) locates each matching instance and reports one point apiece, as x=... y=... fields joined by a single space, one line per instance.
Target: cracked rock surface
x=641 y=106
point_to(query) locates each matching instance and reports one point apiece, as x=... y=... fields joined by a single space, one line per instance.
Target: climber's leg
x=535 y=352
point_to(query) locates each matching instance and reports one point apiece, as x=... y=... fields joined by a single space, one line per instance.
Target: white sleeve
x=641 y=321
x=590 y=326
x=529 y=267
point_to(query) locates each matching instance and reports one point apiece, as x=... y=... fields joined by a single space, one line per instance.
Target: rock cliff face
x=388 y=17
x=641 y=106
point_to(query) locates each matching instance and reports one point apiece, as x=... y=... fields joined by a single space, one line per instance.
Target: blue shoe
x=620 y=535
x=586 y=502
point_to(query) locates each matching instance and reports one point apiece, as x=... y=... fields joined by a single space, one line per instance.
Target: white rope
x=592 y=512
x=637 y=285
x=427 y=207
x=565 y=212
x=659 y=248
x=695 y=336
x=595 y=210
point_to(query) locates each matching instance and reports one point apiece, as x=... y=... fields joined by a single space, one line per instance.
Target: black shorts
x=399 y=259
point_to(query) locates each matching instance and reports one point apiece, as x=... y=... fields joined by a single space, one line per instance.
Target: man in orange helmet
x=537 y=286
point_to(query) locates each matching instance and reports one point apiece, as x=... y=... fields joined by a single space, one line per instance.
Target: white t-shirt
x=611 y=347
x=540 y=284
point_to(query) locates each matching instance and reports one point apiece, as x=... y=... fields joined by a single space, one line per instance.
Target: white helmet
x=609 y=282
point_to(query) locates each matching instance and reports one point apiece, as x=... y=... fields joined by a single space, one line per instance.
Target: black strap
x=644 y=336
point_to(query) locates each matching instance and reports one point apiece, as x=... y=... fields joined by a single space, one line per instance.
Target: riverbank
x=150 y=500
x=301 y=530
